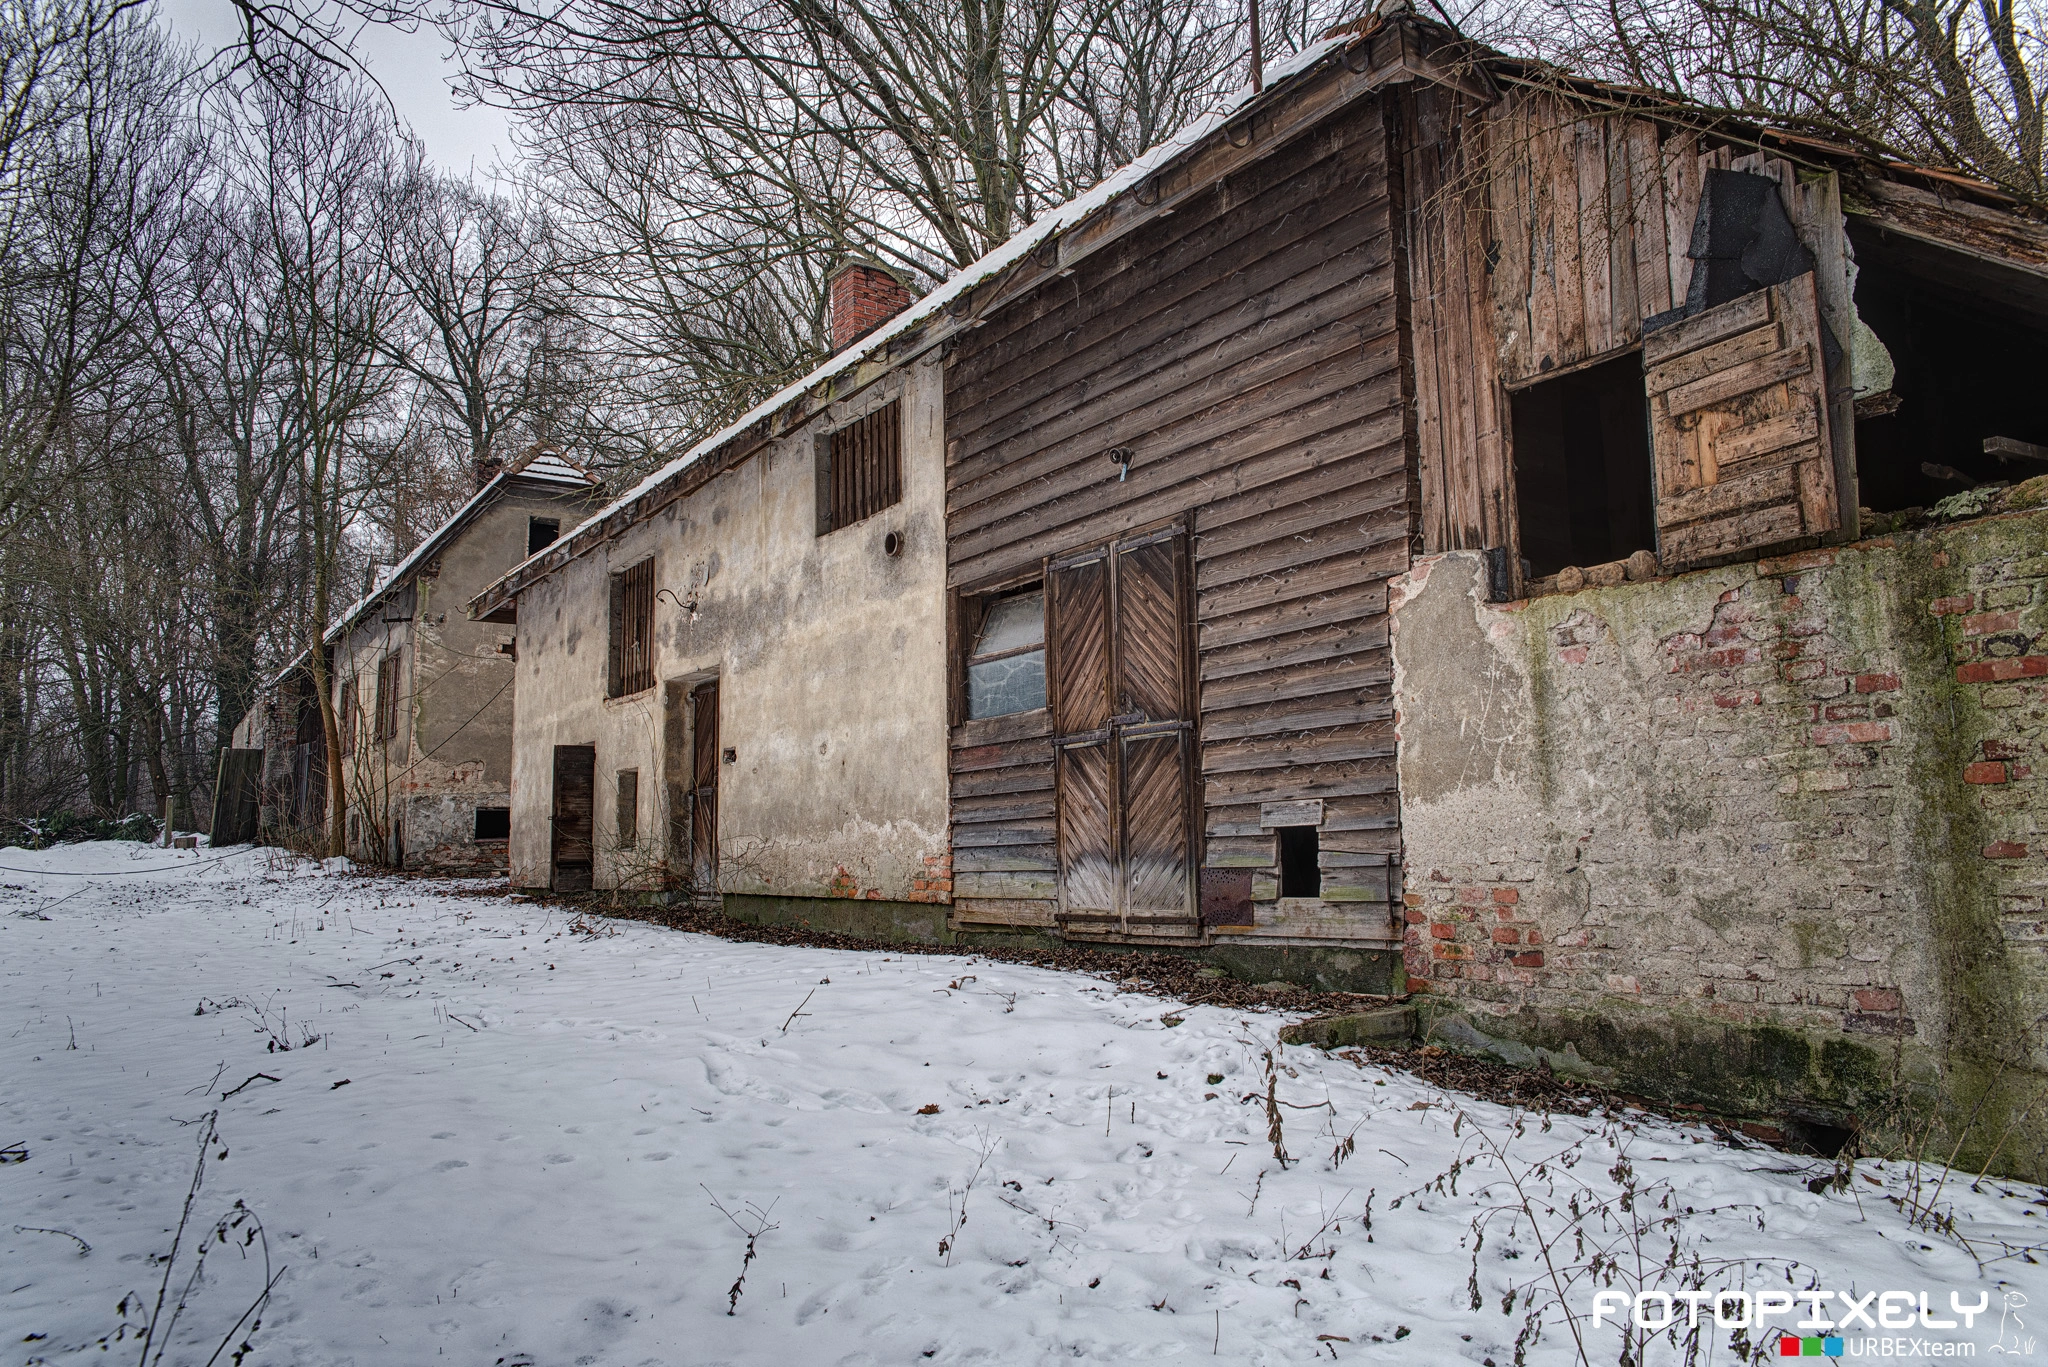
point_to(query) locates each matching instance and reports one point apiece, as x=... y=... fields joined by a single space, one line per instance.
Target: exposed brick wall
x=864 y=297
x=1803 y=794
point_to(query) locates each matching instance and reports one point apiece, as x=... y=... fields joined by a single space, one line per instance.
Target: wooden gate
x=574 y=820
x=1123 y=736
x=704 y=790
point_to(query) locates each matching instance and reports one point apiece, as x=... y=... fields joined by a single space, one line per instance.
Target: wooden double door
x=1119 y=621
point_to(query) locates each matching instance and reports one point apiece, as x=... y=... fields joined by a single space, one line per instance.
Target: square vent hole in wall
x=1582 y=468
x=493 y=823
x=541 y=533
x=1301 y=873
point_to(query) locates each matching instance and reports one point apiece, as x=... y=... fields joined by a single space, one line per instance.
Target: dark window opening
x=1582 y=468
x=541 y=533
x=860 y=469
x=493 y=823
x=632 y=630
x=1968 y=346
x=1301 y=873
x=1006 y=663
x=629 y=808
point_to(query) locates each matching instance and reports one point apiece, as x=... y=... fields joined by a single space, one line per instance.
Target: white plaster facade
x=829 y=653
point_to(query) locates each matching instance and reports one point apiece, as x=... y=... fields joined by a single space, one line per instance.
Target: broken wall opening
x=1301 y=872
x=1968 y=348
x=1582 y=467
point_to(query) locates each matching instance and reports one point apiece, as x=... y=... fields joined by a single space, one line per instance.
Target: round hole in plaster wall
x=892 y=543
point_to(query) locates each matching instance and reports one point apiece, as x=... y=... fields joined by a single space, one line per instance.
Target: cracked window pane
x=1015 y=683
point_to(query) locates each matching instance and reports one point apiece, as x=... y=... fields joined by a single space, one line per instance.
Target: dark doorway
x=574 y=818
x=704 y=789
x=1582 y=467
x=1301 y=873
x=1968 y=349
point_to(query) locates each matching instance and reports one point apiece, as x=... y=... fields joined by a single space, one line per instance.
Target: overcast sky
x=413 y=69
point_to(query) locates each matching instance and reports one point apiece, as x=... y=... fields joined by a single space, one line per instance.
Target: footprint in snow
x=450 y=1165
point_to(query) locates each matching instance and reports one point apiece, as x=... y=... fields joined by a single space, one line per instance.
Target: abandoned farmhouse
x=1436 y=528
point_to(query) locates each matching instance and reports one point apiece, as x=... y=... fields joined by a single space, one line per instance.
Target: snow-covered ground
x=494 y=1141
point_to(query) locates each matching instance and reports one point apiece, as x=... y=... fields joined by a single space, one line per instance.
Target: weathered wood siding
x=1543 y=231
x=1245 y=350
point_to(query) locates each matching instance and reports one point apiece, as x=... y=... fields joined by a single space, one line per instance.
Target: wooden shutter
x=1077 y=628
x=1078 y=632
x=636 y=628
x=704 y=788
x=864 y=472
x=1154 y=751
x=574 y=821
x=1739 y=426
x=348 y=716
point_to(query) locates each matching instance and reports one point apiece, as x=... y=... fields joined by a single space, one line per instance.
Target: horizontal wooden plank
x=1302 y=681
x=1352 y=859
x=1001 y=807
x=1705 y=329
x=1018 y=778
x=1005 y=859
x=1024 y=885
x=1777 y=484
x=1296 y=581
x=1370 y=741
x=1352 y=535
x=1799 y=427
x=1004 y=833
x=1366 y=599
x=1345 y=640
x=1378 y=452
x=1301 y=781
x=1377 y=486
x=1723 y=355
x=1775 y=368
x=1003 y=911
x=1696 y=541
x=1254 y=852
x=1378 y=843
x=1298 y=714
x=997 y=730
x=1340 y=815
x=1005 y=755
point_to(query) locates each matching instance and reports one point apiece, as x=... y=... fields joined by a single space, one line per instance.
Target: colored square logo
x=1789 y=1347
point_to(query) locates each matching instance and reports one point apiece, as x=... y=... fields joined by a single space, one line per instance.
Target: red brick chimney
x=864 y=296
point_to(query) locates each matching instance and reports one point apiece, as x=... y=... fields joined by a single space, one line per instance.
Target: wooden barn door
x=1739 y=426
x=704 y=789
x=1123 y=721
x=574 y=825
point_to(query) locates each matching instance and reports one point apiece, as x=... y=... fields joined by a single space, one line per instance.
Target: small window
x=632 y=630
x=860 y=469
x=387 y=696
x=541 y=533
x=493 y=823
x=1301 y=873
x=1582 y=468
x=1006 y=667
x=629 y=808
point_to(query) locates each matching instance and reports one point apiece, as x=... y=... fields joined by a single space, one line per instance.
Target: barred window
x=632 y=630
x=860 y=469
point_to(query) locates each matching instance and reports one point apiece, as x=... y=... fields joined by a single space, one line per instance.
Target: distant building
x=423 y=695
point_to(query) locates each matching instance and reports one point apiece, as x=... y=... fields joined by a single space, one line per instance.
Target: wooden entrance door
x=574 y=823
x=1123 y=720
x=704 y=789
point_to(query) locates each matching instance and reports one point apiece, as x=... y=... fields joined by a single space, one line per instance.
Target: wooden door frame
x=554 y=811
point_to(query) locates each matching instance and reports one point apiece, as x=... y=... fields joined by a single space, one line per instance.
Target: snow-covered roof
x=544 y=467
x=1046 y=226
